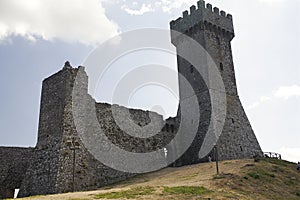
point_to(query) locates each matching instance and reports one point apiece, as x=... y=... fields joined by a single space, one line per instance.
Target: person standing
x=209 y=159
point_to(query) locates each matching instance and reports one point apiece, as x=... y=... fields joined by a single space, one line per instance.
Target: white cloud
x=284 y=92
x=168 y=5
x=288 y=92
x=67 y=20
x=290 y=154
x=145 y=8
x=271 y=1
x=136 y=8
x=261 y=100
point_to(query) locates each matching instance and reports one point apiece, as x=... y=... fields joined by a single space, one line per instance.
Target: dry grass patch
x=127 y=194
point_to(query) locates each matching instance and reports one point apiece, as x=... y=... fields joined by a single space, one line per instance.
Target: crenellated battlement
x=205 y=16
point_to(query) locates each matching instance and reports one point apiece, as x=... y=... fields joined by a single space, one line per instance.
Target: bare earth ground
x=238 y=179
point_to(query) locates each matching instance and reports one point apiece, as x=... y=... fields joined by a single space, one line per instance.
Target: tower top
x=67 y=65
x=203 y=14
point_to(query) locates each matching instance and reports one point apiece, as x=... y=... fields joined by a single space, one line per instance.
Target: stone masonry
x=14 y=162
x=52 y=168
x=61 y=163
x=213 y=29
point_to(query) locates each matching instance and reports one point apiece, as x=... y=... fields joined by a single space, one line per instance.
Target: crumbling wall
x=62 y=161
x=14 y=162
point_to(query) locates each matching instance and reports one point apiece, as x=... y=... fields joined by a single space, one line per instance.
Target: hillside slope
x=239 y=179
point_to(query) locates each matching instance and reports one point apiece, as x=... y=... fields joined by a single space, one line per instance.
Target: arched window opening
x=221 y=67
x=167 y=127
x=172 y=128
x=218 y=41
x=192 y=69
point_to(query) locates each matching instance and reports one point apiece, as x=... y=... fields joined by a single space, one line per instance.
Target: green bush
x=253 y=175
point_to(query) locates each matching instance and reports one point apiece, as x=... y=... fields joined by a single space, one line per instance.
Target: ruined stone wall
x=125 y=139
x=42 y=174
x=14 y=162
x=52 y=170
x=89 y=173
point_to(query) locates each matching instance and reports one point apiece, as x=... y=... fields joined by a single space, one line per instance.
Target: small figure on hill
x=209 y=159
x=298 y=166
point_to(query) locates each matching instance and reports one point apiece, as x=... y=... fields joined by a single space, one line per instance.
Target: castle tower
x=61 y=163
x=213 y=30
x=43 y=174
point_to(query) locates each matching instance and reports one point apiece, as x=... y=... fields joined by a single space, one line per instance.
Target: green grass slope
x=239 y=179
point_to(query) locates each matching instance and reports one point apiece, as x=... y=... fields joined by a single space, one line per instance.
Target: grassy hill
x=239 y=179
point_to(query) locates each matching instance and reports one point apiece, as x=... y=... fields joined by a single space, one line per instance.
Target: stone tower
x=213 y=30
x=60 y=161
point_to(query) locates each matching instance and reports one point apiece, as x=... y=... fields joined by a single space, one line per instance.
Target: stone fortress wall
x=50 y=168
x=14 y=162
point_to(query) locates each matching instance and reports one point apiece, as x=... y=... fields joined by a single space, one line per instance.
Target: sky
x=37 y=37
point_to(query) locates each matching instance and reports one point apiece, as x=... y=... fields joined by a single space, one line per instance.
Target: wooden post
x=217 y=158
x=73 y=178
x=73 y=145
